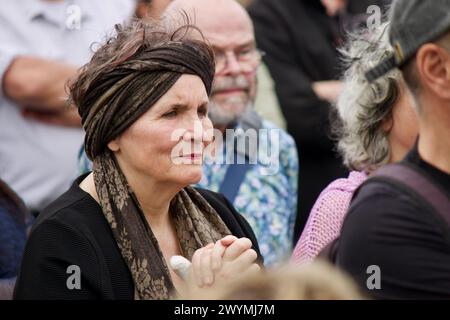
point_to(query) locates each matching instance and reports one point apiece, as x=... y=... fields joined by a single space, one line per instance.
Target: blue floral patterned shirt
x=267 y=196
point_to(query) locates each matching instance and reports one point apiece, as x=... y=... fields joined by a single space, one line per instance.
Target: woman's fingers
x=206 y=271
x=238 y=267
x=237 y=248
x=201 y=263
x=227 y=258
x=243 y=262
x=195 y=267
x=226 y=241
x=217 y=253
x=219 y=250
x=246 y=259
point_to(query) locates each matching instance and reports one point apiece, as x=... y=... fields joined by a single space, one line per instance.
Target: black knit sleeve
x=56 y=256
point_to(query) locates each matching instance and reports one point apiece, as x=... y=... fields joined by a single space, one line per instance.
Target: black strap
x=403 y=175
x=411 y=180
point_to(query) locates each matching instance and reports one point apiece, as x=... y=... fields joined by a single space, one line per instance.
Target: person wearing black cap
x=395 y=240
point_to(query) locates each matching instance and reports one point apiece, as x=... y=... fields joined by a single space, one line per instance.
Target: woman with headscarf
x=143 y=101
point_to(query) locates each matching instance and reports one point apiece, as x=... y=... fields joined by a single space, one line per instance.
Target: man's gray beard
x=219 y=116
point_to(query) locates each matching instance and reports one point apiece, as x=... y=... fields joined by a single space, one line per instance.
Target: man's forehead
x=225 y=34
x=223 y=22
x=225 y=41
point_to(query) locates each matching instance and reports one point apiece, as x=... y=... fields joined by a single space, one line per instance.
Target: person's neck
x=434 y=145
x=333 y=8
x=398 y=150
x=154 y=198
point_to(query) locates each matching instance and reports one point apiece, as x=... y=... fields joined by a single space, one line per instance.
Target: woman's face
x=166 y=143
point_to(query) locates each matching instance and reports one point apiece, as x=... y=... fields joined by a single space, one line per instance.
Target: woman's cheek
x=168 y=140
x=208 y=131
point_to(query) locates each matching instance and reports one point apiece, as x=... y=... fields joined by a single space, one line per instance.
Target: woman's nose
x=195 y=132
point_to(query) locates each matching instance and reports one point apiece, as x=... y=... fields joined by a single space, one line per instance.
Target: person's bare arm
x=68 y=117
x=38 y=86
x=37 y=83
x=328 y=90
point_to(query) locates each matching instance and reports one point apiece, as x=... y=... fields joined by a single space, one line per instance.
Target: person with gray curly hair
x=375 y=124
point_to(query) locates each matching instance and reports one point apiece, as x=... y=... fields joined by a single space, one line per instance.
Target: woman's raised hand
x=217 y=262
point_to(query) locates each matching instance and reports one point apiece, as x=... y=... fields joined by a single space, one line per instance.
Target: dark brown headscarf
x=124 y=92
x=124 y=79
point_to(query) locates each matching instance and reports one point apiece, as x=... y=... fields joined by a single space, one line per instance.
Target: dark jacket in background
x=300 y=42
x=13 y=218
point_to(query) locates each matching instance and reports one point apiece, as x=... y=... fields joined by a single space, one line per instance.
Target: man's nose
x=232 y=67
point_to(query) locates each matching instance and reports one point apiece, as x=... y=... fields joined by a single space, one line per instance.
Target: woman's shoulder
x=212 y=197
x=71 y=231
x=346 y=185
x=333 y=202
x=75 y=209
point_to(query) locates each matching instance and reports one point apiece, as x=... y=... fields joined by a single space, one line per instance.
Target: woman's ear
x=387 y=124
x=113 y=145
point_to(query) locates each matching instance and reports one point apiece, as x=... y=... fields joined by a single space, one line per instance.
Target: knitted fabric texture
x=326 y=217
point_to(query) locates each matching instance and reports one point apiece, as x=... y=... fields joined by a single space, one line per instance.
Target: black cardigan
x=73 y=231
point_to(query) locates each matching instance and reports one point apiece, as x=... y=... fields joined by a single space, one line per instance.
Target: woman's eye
x=202 y=112
x=170 y=114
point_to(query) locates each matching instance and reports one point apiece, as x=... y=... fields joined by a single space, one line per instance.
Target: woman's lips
x=192 y=156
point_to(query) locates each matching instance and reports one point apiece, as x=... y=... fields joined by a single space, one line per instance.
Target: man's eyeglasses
x=248 y=59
